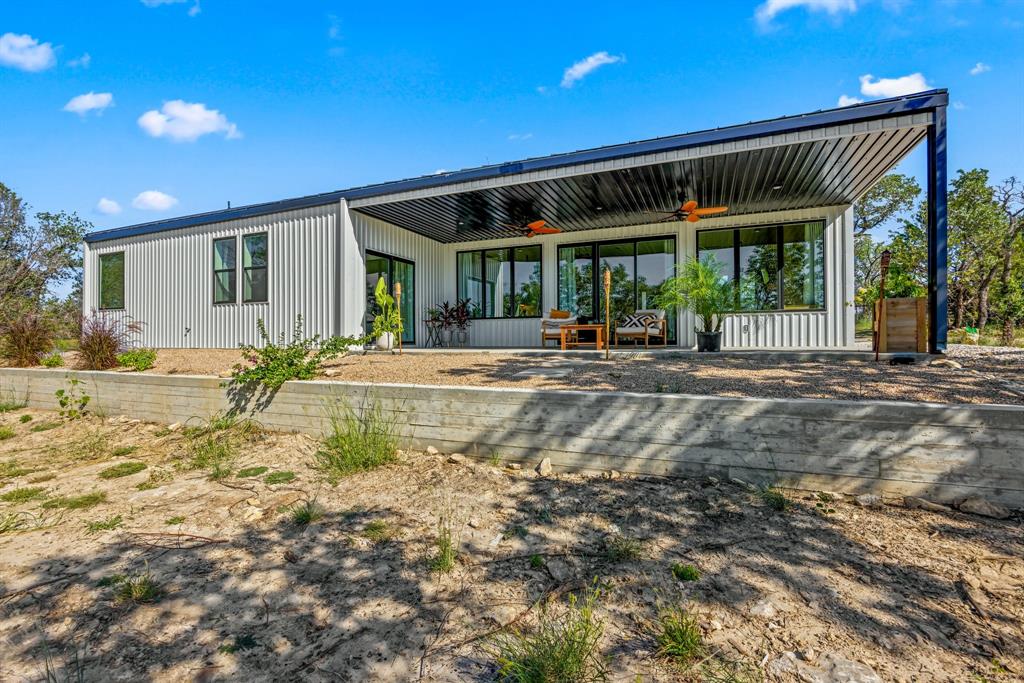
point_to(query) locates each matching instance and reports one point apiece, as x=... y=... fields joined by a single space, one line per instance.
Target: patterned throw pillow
x=641 y=320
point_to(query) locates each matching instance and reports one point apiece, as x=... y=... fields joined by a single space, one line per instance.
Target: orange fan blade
x=693 y=218
x=545 y=230
x=711 y=210
x=536 y=225
x=689 y=206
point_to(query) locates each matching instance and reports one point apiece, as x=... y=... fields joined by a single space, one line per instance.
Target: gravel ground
x=825 y=590
x=987 y=375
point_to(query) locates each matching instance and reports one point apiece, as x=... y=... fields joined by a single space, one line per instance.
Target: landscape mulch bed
x=246 y=594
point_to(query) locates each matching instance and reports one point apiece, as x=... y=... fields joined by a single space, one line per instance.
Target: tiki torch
x=886 y=257
x=607 y=311
x=398 y=312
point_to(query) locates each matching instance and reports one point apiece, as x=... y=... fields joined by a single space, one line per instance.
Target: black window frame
x=780 y=260
x=596 y=266
x=391 y=279
x=242 y=270
x=233 y=270
x=511 y=248
x=99 y=280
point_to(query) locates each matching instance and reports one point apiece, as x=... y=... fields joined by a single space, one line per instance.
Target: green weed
x=446 y=542
x=306 y=512
x=82 y=502
x=279 y=477
x=137 y=359
x=356 y=443
x=240 y=643
x=247 y=472
x=775 y=499
x=44 y=426
x=123 y=469
x=11 y=469
x=378 y=531
x=619 y=548
x=11 y=522
x=536 y=561
x=679 y=636
x=23 y=495
x=561 y=647
x=25 y=418
x=54 y=360
x=122 y=451
x=141 y=588
x=108 y=524
x=685 y=572
x=6 y=433
x=174 y=521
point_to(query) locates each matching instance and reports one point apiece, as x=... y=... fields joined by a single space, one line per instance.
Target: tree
x=1010 y=291
x=891 y=196
x=34 y=256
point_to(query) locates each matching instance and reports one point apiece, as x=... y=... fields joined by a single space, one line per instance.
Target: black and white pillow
x=638 y=320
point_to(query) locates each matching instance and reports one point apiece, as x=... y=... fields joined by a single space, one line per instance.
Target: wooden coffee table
x=571 y=337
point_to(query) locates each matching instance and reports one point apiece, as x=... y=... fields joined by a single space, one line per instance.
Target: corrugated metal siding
x=169 y=281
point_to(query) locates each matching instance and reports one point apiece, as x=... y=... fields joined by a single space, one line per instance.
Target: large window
x=112 y=281
x=393 y=270
x=254 y=267
x=501 y=283
x=638 y=268
x=772 y=267
x=224 y=274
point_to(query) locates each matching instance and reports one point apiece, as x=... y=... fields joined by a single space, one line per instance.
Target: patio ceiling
x=808 y=169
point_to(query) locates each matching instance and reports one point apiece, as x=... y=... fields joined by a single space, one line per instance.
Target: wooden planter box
x=902 y=325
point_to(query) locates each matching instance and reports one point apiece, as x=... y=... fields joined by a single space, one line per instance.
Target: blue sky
x=164 y=107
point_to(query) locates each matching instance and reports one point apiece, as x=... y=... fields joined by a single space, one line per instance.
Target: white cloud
x=893 y=87
x=846 y=100
x=520 y=136
x=958 y=105
x=582 y=68
x=108 y=206
x=980 y=68
x=193 y=11
x=26 y=53
x=84 y=61
x=186 y=122
x=154 y=200
x=772 y=8
x=90 y=101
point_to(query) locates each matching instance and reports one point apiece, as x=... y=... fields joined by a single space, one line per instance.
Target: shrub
x=678 y=636
x=6 y=432
x=123 y=469
x=138 y=589
x=137 y=359
x=447 y=552
x=685 y=572
x=622 y=548
x=53 y=360
x=25 y=418
x=274 y=363
x=355 y=443
x=72 y=401
x=560 y=648
x=103 y=338
x=25 y=339
x=775 y=499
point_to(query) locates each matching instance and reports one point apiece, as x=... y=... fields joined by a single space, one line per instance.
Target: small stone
x=971 y=580
x=946 y=363
x=764 y=608
x=252 y=514
x=869 y=500
x=174 y=427
x=740 y=482
x=976 y=505
x=612 y=474
x=474 y=522
x=544 y=467
x=332 y=372
x=514 y=466
x=432 y=451
x=254 y=501
x=915 y=503
x=457 y=459
x=558 y=569
x=712 y=481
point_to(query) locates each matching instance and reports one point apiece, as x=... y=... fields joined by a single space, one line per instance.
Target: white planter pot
x=386 y=341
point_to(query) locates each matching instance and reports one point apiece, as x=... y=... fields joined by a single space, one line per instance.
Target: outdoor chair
x=551 y=325
x=643 y=324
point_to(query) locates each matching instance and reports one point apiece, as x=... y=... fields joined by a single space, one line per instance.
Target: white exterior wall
x=833 y=327
x=169 y=280
x=316 y=269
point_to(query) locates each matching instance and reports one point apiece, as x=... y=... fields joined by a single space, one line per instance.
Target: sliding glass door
x=392 y=269
x=638 y=268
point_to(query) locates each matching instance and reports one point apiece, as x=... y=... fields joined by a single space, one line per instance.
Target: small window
x=224 y=277
x=112 y=281
x=254 y=268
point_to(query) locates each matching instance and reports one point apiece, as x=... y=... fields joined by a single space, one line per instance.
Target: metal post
x=938 y=311
x=607 y=313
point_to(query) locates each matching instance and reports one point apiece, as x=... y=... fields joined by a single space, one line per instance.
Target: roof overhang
x=812 y=160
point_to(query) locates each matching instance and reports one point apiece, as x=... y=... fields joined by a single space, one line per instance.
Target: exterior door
x=392 y=269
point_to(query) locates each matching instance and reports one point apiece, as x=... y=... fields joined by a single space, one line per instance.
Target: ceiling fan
x=689 y=211
x=534 y=228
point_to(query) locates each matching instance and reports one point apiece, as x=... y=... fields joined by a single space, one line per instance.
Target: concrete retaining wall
x=936 y=451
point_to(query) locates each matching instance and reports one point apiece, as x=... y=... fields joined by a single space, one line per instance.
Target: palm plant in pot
x=698 y=286
x=388 y=323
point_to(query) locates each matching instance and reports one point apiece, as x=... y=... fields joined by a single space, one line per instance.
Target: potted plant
x=461 y=319
x=446 y=322
x=388 y=323
x=698 y=286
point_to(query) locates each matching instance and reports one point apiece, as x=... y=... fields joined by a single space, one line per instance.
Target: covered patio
x=788 y=183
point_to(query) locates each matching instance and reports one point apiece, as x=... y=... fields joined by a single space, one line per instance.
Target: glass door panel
x=620 y=258
x=655 y=260
x=392 y=270
x=576 y=280
x=403 y=273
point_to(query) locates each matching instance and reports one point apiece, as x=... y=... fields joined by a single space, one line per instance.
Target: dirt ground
x=829 y=586
x=987 y=375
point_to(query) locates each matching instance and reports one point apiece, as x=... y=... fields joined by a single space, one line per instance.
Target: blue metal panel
x=938 y=314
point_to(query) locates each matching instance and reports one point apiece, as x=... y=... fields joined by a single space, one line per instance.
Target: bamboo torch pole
x=398 y=311
x=607 y=312
x=880 y=317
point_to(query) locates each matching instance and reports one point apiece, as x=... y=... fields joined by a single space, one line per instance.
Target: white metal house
x=787 y=240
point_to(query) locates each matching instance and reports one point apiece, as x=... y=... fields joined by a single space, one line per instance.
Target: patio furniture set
x=567 y=329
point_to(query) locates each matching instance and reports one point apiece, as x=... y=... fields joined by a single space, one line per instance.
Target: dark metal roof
x=708 y=177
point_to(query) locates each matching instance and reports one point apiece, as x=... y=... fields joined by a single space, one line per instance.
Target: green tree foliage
x=35 y=254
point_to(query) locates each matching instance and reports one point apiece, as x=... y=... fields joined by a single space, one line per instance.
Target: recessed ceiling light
x=599 y=208
x=776 y=187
